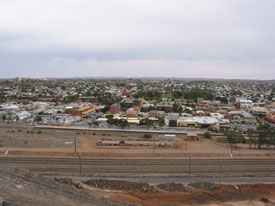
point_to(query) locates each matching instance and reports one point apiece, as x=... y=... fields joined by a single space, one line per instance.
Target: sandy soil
x=224 y=195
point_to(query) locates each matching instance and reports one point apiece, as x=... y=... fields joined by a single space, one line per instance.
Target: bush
x=147 y=135
x=39 y=132
x=207 y=135
x=173 y=123
x=94 y=133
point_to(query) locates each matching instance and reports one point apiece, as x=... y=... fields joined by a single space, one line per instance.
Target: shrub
x=147 y=135
x=94 y=133
x=207 y=135
x=39 y=132
x=173 y=123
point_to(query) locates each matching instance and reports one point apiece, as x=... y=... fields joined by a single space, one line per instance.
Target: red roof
x=23 y=100
x=113 y=111
x=270 y=119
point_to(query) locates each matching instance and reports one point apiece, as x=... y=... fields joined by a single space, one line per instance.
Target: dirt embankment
x=20 y=187
x=185 y=194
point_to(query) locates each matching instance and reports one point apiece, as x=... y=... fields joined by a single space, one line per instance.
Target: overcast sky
x=138 y=38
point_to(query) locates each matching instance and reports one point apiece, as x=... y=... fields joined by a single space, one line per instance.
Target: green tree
x=147 y=136
x=4 y=117
x=207 y=135
x=233 y=138
x=173 y=123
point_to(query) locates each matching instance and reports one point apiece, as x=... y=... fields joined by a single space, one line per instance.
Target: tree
x=146 y=122
x=38 y=119
x=122 y=123
x=95 y=123
x=4 y=117
x=173 y=123
x=207 y=135
x=105 y=109
x=147 y=136
x=265 y=135
x=233 y=138
x=252 y=137
x=161 y=122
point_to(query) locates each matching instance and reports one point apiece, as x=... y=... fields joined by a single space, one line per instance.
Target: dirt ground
x=175 y=194
x=24 y=140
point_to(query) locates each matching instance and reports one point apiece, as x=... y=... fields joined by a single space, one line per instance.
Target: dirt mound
x=121 y=185
x=203 y=185
x=21 y=187
x=174 y=187
x=68 y=181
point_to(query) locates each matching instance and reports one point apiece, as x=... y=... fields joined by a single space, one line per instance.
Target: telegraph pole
x=75 y=144
x=220 y=172
x=154 y=145
x=79 y=163
x=189 y=171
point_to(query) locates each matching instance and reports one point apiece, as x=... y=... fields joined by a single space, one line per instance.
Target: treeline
x=263 y=136
x=192 y=94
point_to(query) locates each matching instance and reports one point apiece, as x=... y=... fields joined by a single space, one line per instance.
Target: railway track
x=177 y=167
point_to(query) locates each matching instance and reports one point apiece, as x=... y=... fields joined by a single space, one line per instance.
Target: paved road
x=145 y=167
x=182 y=131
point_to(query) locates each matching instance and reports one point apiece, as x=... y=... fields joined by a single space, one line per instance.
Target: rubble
x=174 y=187
x=121 y=185
x=203 y=185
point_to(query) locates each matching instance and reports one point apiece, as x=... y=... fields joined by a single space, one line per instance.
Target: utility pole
x=189 y=170
x=79 y=163
x=75 y=144
x=154 y=145
x=220 y=172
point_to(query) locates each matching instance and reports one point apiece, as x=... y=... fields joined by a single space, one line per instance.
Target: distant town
x=217 y=106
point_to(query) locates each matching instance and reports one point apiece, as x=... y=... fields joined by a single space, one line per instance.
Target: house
x=24 y=101
x=270 y=118
x=59 y=119
x=132 y=112
x=165 y=106
x=186 y=122
x=23 y=115
x=171 y=117
x=191 y=136
x=82 y=111
x=113 y=111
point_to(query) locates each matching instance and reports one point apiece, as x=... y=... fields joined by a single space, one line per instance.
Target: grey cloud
x=144 y=35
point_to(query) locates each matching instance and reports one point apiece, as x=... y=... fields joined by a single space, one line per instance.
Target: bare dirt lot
x=26 y=141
